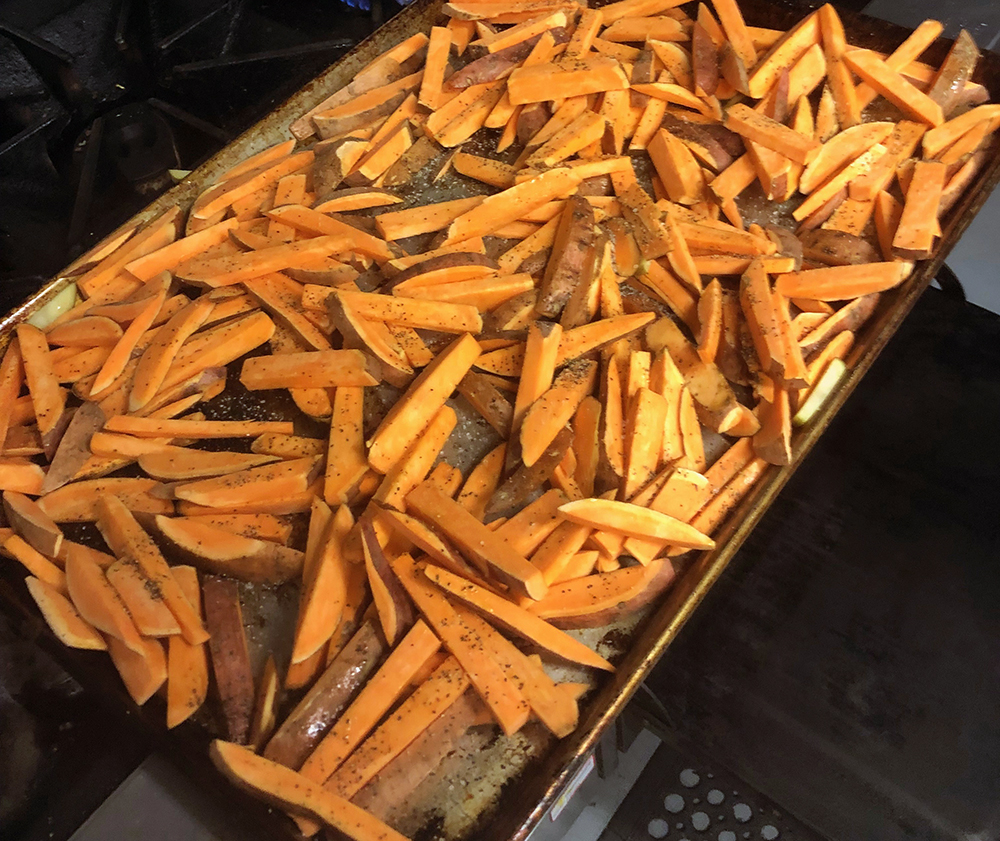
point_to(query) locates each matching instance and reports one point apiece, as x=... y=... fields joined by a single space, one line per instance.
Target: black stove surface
x=103 y=103
x=847 y=664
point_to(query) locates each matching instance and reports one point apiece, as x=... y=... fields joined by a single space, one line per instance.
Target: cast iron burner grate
x=101 y=99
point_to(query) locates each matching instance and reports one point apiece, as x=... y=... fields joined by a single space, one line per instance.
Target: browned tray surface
x=510 y=811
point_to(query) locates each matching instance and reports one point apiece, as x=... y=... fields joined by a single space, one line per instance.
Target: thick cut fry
x=219 y=346
x=70 y=628
x=503 y=698
x=142 y=599
x=35 y=562
x=270 y=481
x=553 y=410
x=677 y=168
x=411 y=312
x=98 y=603
x=187 y=665
x=384 y=688
x=325 y=590
x=32 y=523
x=768 y=133
x=483 y=482
x=632 y=520
x=311 y=369
x=181 y=428
x=593 y=600
x=915 y=233
x=284 y=788
x=542 y=82
x=230 y=657
x=218 y=550
x=412 y=413
x=845 y=147
x=644 y=437
x=47 y=398
x=158 y=356
x=77 y=502
x=936 y=140
x=556 y=710
x=532 y=525
x=834 y=190
x=346 y=672
x=517 y=620
x=890 y=84
x=345 y=457
x=416 y=463
x=500 y=209
x=838 y=283
x=143 y=673
x=128 y=540
x=785 y=52
x=171 y=463
x=429 y=700
x=480 y=545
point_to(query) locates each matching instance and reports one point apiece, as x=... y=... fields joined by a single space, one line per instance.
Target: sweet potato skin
x=572 y=248
x=310 y=720
x=229 y=654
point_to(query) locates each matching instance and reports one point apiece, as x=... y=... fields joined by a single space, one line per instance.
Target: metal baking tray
x=506 y=786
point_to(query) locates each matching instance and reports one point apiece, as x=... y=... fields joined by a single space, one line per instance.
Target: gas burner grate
x=100 y=99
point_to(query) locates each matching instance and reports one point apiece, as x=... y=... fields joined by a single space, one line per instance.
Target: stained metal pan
x=508 y=803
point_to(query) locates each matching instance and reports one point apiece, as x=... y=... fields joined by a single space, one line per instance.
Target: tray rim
x=524 y=803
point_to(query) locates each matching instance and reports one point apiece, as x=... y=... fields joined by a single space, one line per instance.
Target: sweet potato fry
x=503 y=698
x=286 y=789
x=230 y=658
x=144 y=673
x=160 y=352
x=550 y=412
x=890 y=84
x=411 y=415
x=62 y=617
x=416 y=462
x=631 y=520
x=35 y=562
x=270 y=481
x=915 y=233
x=127 y=539
x=77 y=502
x=220 y=551
x=591 y=600
x=783 y=54
x=47 y=398
x=32 y=523
x=480 y=545
x=837 y=283
x=843 y=148
x=98 y=603
x=187 y=665
x=482 y=482
x=516 y=619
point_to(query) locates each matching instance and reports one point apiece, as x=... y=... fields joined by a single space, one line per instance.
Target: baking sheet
x=524 y=775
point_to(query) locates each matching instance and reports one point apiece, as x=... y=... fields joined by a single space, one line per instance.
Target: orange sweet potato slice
x=98 y=603
x=142 y=673
x=62 y=617
x=221 y=551
x=516 y=619
x=142 y=599
x=187 y=665
x=595 y=600
x=128 y=540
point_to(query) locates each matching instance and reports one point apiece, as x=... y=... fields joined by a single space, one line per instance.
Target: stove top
x=104 y=102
